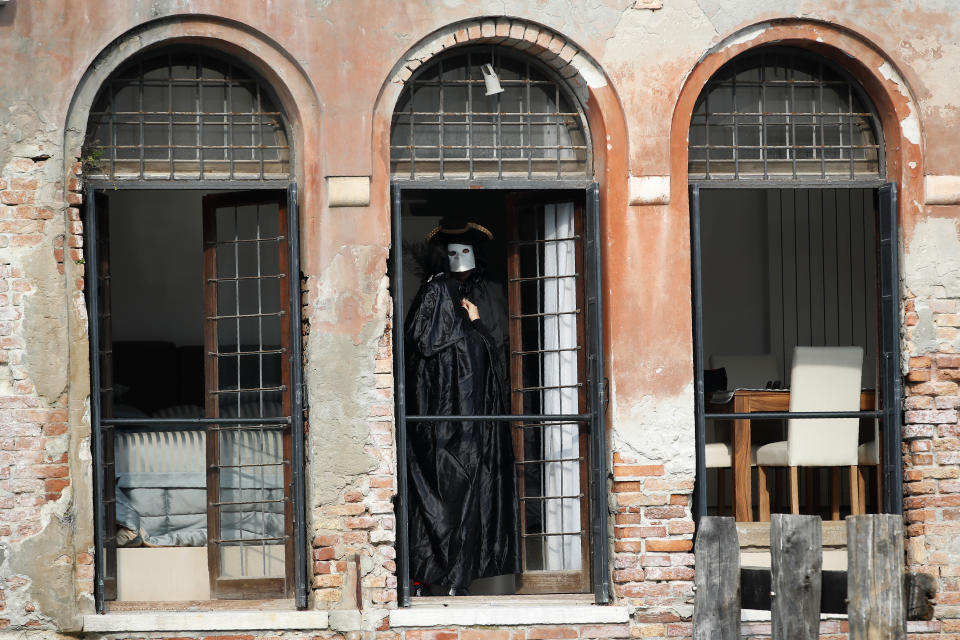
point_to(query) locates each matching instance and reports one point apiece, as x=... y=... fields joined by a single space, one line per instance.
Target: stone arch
x=575 y=66
x=872 y=68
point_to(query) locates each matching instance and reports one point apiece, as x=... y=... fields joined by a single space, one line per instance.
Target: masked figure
x=463 y=509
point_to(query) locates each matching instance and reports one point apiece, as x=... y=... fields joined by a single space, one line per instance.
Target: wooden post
x=716 y=607
x=795 y=576
x=875 y=577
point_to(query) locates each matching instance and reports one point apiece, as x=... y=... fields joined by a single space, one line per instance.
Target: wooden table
x=750 y=401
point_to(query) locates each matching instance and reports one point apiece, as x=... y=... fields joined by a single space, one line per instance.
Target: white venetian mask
x=461 y=257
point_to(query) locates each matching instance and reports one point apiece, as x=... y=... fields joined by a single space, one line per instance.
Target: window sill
x=513 y=611
x=205 y=621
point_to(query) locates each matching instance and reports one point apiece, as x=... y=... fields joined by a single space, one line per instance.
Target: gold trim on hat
x=471 y=226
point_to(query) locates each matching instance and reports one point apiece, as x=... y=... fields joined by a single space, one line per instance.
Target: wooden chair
x=743 y=371
x=822 y=379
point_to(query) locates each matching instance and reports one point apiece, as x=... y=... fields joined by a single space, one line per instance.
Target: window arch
x=445 y=126
x=777 y=113
x=186 y=114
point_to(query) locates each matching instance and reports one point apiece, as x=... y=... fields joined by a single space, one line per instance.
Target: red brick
x=605 y=631
x=551 y=633
x=621 y=471
x=948 y=360
x=664 y=513
x=323 y=553
x=431 y=634
x=326 y=541
x=629 y=575
x=484 y=634
x=669 y=545
x=669 y=573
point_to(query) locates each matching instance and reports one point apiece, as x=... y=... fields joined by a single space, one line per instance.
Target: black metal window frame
x=101 y=157
x=102 y=427
x=595 y=418
x=889 y=338
x=762 y=116
x=527 y=120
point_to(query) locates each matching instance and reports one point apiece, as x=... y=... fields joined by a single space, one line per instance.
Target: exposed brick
x=669 y=545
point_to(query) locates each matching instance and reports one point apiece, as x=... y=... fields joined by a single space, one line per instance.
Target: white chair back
x=747 y=371
x=824 y=379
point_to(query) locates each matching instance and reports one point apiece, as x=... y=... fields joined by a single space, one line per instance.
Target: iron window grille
x=186 y=116
x=783 y=114
x=444 y=126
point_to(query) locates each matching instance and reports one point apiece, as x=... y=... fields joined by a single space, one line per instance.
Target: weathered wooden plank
x=795 y=580
x=716 y=607
x=875 y=577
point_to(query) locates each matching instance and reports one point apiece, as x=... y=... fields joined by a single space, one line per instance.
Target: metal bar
x=538 y=278
x=399 y=383
x=582 y=532
x=525 y=462
x=237 y=278
x=795 y=415
x=119 y=422
x=559 y=418
x=560 y=497
x=551 y=314
x=244 y=542
x=239 y=502
x=183 y=183
x=271 y=314
x=248 y=389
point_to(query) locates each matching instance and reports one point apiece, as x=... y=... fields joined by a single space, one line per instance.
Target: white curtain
x=560 y=441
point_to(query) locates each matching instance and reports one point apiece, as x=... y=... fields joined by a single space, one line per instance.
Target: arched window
x=194 y=296
x=186 y=115
x=447 y=124
x=794 y=267
x=465 y=156
x=783 y=114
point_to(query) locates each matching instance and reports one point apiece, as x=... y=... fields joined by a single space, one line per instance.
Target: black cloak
x=463 y=508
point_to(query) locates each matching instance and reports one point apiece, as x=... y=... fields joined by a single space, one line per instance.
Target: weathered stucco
x=45 y=323
x=340 y=369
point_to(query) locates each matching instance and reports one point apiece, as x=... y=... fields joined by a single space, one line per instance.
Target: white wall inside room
x=736 y=297
x=788 y=267
x=156 y=258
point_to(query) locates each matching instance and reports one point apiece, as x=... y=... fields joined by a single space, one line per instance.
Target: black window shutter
x=301 y=558
x=598 y=399
x=890 y=348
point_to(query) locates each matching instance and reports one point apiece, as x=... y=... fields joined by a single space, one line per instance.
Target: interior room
x=539 y=234
x=160 y=267
x=781 y=269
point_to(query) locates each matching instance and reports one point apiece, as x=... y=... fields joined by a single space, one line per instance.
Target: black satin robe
x=463 y=508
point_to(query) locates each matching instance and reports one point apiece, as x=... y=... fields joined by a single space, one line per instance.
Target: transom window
x=186 y=115
x=783 y=114
x=446 y=126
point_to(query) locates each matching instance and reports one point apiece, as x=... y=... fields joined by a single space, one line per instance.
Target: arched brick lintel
x=580 y=71
x=875 y=70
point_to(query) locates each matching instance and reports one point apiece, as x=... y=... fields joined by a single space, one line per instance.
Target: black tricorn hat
x=458 y=231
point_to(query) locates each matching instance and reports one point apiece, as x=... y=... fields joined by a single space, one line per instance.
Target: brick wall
x=931 y=453
x=653 y=546
x=34 y=439
x=354 y=538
